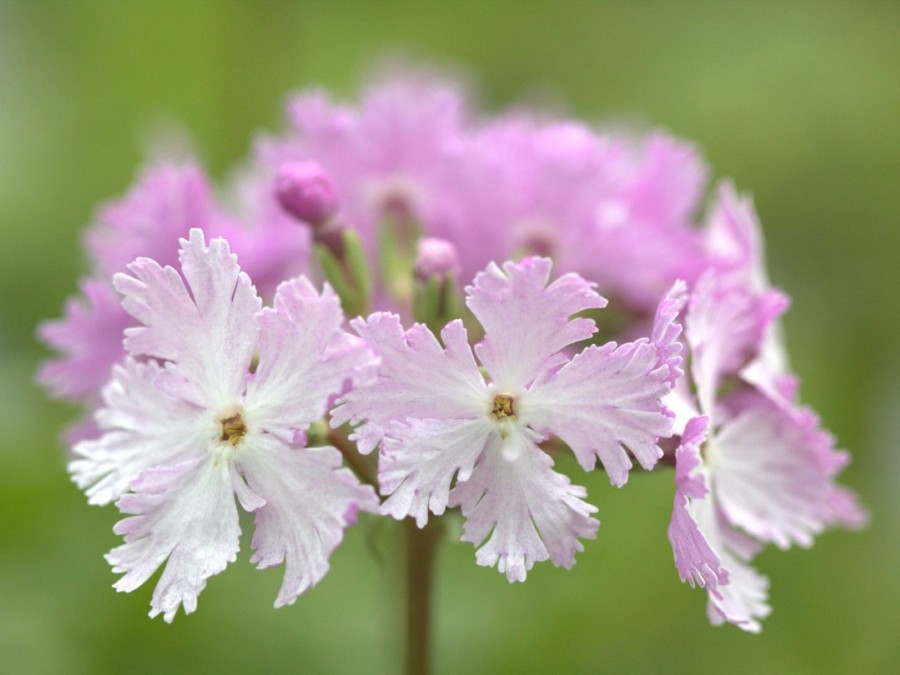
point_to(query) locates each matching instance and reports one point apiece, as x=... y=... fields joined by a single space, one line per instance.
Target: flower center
x=233 y=429
x=503 y=406
x=538 y=237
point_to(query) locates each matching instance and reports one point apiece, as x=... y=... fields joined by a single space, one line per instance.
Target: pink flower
x=751 y=468
x=436 y=418
x=643 y=239
x=88 y=339
x=386 y=158
x=167 y=201
x=612 y=209
x=191 y=428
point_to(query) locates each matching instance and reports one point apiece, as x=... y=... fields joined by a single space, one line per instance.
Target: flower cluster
x=472 y=253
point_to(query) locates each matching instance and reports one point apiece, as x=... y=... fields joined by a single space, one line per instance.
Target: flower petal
x=185 y=516
x=667 y=330
x=208 y=330
x=419 y=459
x=310 y=500
x=724 y=326
x=697 y=562
x=846 y=509
x=142 y=427
x=773 y=473
x=734 y=238
x=89 y=339
x=525 y=510
x=603 y=403
x=526 y=322
x=743 y=601
x=304 y=358
x=417 y=379
x=168 y=199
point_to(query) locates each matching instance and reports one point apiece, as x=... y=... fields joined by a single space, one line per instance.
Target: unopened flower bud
x=306 y=191
x=436 y=258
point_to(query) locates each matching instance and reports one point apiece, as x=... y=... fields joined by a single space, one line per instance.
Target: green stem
x=421 y=546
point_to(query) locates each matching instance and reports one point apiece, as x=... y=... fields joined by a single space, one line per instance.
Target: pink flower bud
x=306 y=191
x=436 y=258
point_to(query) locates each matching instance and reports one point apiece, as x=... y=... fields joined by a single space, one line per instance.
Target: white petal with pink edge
x=417 y=379
x=305 y=359
x=207 y=329
x=309 y=502
x=526 y=322
x=420 y=459
x=519 y=511
x=185 y=516
x=141 y=427
x=604 y=404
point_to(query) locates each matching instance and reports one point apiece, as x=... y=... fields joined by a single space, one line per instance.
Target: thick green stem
x=421 y=546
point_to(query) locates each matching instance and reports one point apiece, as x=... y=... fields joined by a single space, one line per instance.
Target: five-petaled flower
x=188 y=427
x=436 y=417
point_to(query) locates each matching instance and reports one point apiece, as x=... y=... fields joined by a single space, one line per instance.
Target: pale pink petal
x=667 y=180
x=605 y=403
x=526 y=322
x=724 y=326
x=743 y=601
x=642 y=239
x=519 y=511
x=682 y=404
x=734 y=238
x=88 y=339
x=417 y=379
x=696 y=561
x=166 y=202
x=419 y=460
x=667 y=330
x=390 y=152
x=773 y=473
x=84 y=428
x=140 y=427
x=208 y=330
x=305 y=358
x=310 y=500
x=769 y=371
x=184 y=516
x=846 y=509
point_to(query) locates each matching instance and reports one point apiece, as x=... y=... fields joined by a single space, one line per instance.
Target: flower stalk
x=421 y=550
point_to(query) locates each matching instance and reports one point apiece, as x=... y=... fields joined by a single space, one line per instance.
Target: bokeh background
x=798 y=101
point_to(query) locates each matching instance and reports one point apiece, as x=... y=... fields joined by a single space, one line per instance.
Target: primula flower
x=613 y=209
x=386 y=159
x=167 y=201
x=436 y=417
x=752 y=467
x=190 y=428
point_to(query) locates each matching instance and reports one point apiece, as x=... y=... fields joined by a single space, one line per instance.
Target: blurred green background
x=798 y=101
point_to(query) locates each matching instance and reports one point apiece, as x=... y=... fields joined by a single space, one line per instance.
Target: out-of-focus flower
x=167 y=201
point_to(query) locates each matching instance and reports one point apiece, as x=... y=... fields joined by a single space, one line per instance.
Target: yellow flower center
x=233 y=429
x=503 y=406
